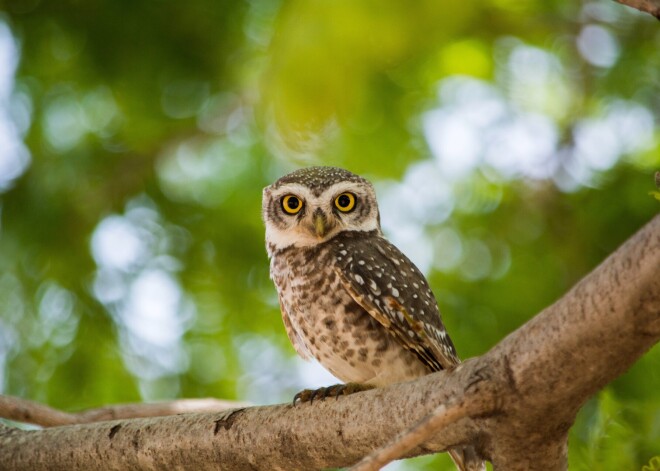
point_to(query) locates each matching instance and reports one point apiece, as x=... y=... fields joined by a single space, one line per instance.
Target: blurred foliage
x=512 y=144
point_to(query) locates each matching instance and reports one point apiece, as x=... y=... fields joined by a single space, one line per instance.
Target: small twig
x=443 y=415
x=647 y=6
x=24 y=410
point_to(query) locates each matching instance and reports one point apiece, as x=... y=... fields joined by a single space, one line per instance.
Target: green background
x=512 y=145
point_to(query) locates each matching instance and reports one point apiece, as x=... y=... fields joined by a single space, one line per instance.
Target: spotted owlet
x=349 y=298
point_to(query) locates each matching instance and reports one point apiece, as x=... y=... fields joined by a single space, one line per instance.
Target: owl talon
x=303 y=396
x=336 y=390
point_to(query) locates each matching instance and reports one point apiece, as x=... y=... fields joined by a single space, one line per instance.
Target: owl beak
x=319 y=225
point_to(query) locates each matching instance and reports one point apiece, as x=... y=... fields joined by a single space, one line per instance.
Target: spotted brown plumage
x=349 y=298
x=393 y=290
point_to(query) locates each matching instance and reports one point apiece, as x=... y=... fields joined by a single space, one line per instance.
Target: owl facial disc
x=313 y=205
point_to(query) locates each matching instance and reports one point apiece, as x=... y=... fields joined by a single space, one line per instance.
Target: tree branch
x=442 y=416
x=647 y=6
x=540 y=375
x=24 y=410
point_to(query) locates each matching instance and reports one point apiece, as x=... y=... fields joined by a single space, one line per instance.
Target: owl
x=349 y=298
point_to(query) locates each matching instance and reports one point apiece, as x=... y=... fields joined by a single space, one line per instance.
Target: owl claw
x=336 y=390
x=306 y=395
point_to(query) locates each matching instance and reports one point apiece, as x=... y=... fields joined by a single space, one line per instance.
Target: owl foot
x=336 y=390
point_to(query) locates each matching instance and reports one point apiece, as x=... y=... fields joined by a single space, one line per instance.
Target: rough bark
x=528 y=389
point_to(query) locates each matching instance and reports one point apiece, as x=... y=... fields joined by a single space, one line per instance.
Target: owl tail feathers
x=466 y=459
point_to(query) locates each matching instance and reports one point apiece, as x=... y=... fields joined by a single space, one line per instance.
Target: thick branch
x=575 y=347
x=540 y=375
x=330 y=433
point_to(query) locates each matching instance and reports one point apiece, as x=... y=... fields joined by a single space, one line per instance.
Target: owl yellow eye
x=292 y=204
x=345 y=202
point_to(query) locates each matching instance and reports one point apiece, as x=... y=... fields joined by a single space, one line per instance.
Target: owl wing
x=294 y=336
x=392 y=289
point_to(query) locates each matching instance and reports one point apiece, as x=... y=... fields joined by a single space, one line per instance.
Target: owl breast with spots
x=327 y=322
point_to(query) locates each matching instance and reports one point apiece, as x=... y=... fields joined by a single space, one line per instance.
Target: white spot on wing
x=374 y=287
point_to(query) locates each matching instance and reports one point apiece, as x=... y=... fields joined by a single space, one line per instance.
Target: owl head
x=312 y=205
